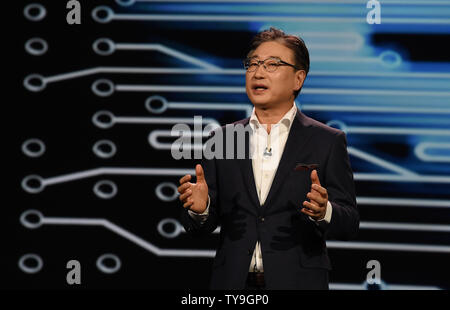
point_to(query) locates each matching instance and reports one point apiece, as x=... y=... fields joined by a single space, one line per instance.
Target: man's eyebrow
x=256 y=56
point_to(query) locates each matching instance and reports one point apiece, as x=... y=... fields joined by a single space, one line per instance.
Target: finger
x=186 y=178
x=320 y=189
x=315 y=192
x=308 y=212
x=188 y=203
x=312 y=200
x=315 y=177
x=182 y=188
x=199 y=173
x=311 y=207
x=185 y=195
x=316 y=197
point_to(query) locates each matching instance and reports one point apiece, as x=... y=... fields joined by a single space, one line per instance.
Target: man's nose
x=260 y=71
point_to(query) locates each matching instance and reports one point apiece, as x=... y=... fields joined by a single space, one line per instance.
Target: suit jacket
x=293 y=246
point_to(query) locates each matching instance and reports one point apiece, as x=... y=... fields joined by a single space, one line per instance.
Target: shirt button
x=261 y=218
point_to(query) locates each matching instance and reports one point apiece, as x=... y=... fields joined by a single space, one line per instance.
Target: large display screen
x=101 y=83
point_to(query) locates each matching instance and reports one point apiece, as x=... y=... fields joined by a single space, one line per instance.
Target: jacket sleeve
x=339 y=183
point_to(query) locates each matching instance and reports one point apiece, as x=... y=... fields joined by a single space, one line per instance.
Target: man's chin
x=261 y=104
x=260 y=100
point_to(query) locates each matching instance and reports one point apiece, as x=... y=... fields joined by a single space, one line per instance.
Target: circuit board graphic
x=96 y=181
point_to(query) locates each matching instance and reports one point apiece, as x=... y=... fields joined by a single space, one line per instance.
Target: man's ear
x=300 y=76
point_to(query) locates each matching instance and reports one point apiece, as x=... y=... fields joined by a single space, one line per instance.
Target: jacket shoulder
x=320 y=128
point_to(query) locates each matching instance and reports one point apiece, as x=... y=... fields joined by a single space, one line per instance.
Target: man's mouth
x=259 y=88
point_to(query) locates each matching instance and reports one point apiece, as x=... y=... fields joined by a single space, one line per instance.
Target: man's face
x=279 y=85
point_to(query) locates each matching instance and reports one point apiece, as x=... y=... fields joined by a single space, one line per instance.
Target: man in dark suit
x=275 y=209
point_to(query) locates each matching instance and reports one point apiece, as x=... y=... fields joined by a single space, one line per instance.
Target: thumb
x=199 y=173
x=315 y=177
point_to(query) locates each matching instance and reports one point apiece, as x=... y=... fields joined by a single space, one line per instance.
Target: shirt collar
x=286 y=120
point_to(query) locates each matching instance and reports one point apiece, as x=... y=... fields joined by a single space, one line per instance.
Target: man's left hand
x=318 y=196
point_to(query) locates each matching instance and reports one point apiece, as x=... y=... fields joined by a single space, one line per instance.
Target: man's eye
x=272 y=64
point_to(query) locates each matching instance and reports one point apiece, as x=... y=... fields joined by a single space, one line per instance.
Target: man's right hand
x=194 y=196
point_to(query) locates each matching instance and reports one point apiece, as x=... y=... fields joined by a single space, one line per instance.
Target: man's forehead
x=272 y=49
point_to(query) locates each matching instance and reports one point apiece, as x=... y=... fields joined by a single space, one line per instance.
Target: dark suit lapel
x=297 y=138
x=247 y=172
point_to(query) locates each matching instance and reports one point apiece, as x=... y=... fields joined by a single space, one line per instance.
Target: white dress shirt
x=265 y=167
